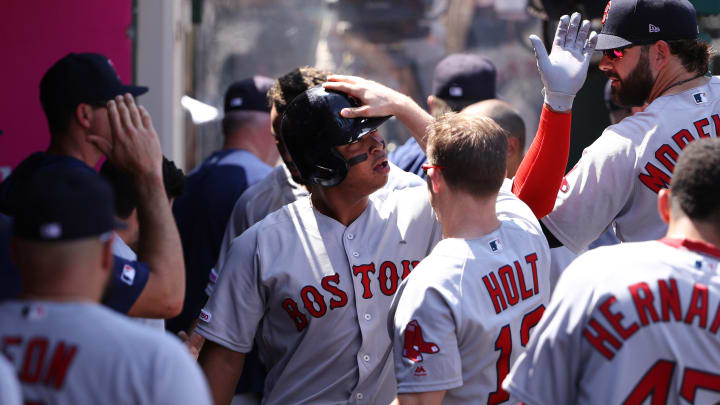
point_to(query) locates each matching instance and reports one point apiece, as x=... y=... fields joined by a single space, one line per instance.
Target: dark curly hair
x=695 y=184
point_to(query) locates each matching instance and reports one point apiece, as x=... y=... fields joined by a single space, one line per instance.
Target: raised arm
x=378 y=101
x=135 y=147
x=563 y=73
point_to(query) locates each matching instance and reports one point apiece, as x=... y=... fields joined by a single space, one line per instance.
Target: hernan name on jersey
x=655 y=178
x=313 y=300
x=667 y=295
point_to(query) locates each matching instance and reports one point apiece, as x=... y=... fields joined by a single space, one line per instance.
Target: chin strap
x=357 y=159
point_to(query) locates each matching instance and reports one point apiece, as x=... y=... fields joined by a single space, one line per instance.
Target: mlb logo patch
x=700 y=98
x=205 y=316
x=496 y=245
x=128 y=274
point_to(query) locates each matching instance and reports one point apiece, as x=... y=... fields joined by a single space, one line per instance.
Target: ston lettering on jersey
x=314 y=295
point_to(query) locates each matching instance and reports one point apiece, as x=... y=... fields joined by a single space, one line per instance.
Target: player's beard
x=635 y=89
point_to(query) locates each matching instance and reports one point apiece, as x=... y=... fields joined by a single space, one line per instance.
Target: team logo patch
x=455 y=91
x=564 y=186
x=34 y=312
x=52 y=230
x=236 y=102
x=128 y=274
x=205 y=316
x=420 y=371
x=415 y=344
x=700 y=98
x=496 y=245
x=605 y=13
x=653 y=28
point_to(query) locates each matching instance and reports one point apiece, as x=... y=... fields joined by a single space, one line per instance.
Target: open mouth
x=383 y=165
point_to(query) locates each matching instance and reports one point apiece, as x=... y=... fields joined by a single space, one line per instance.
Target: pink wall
x=34 y=35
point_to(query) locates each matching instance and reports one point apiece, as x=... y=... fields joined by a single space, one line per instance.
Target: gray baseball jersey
x=633 y=323
x=317 y=293
x=83 y=353
x=618 y=177
x=276 y=190
x=9 y=386
x=466 y=313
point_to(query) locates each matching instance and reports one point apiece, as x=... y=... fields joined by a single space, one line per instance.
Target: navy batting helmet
x=312 y=127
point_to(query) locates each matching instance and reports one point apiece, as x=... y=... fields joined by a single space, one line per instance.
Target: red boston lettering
x=363 y=270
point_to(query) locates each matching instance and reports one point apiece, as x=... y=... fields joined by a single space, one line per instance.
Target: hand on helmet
x=377 y=100
x=563 y=72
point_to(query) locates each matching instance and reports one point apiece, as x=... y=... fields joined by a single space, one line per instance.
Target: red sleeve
x=541 y=171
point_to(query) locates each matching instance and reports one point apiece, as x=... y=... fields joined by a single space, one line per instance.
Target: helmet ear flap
x=332 y=175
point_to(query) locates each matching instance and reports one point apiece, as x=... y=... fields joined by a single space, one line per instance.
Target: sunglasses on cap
x=616 y=53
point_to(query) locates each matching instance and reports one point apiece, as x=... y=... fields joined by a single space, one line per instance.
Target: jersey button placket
x=359 y=396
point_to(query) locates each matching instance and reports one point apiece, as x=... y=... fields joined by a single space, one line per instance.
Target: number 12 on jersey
x=503 y=344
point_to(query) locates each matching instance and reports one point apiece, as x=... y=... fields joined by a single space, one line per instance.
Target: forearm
x=414 y=118
x=159 y=244
x=222 y=368
x=541 y=171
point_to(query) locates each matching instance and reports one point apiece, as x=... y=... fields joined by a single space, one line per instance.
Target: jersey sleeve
x=546 y=373
x=594 y=192
x=236 y=305
x=540 y=173
x=127 y=282
x=425 y=347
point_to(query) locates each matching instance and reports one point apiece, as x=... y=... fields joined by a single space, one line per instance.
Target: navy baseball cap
x=464 y=78
x=83 y=78
x=64 y=205
x=249 y=95
x=641 y=22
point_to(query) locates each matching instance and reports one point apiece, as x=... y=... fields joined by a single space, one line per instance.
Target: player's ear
x=83 y=115
x=664 y=204
x=659 y=55
x=430 y=103
x=437 y=181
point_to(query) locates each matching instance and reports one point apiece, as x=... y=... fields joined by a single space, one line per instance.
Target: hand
x=564 y=71
x=194 y=342
x=134 y=145
x=377 y=100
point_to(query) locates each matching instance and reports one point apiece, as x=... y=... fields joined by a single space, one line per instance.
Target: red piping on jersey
x=694 y=245
x=541 y=171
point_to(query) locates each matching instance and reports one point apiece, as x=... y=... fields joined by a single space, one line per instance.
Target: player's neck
x=334 y=202
x=686 y=228
x=467 y=217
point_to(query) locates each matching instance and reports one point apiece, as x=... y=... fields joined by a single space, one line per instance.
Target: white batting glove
x=564 y=71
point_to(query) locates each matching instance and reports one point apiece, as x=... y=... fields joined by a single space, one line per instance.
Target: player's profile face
x=371 y=173
x=631 y=77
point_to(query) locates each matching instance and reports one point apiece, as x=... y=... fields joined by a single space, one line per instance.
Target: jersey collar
x=694 y=245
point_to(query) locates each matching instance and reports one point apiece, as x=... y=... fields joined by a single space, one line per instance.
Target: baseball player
x=637 y=323
x=465 y=313
x=64 y=346
x=652 y=57
x=74 y=94
x=202 y=213
x=311 y=284
x=459 y=79
x=282 y=187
